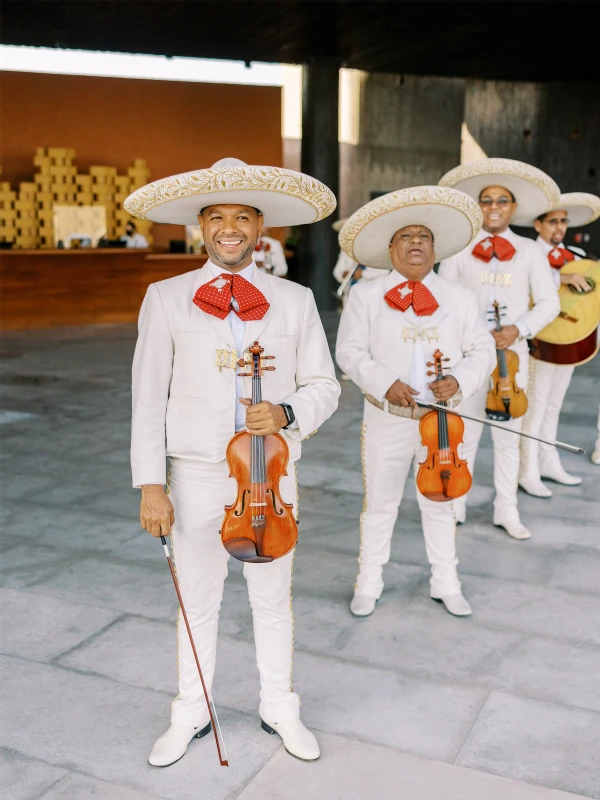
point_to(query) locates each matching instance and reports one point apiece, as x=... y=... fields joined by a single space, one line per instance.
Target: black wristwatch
x=289 y=414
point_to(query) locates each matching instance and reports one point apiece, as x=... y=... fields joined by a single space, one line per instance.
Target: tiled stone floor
x=410 y=703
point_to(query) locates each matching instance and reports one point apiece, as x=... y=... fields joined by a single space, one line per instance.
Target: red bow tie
x=496 y=246
x=215 y=298
x=559 y=256
x=412 y=292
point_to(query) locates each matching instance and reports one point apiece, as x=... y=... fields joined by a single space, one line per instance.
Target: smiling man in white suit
x=188 y=401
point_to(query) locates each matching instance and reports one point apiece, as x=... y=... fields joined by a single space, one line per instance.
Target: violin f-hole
x=239 y=512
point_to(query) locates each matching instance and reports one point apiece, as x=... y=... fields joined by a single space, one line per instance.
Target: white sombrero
x=534 y=191
x=581 y=207
x=453 y=218
x=339 y=224
x=284 y=196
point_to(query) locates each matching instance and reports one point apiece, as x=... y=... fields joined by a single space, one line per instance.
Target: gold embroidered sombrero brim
x=534 y=191
x=285 y=197
x=581 y=207
x=452 y=216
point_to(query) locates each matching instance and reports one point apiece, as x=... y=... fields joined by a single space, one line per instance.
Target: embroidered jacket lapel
x=255 y=328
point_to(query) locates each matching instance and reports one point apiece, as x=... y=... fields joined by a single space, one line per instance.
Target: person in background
x=269 y=256
x=500 y=266
x=343 y=266
x=134 y=239
x=548 y=383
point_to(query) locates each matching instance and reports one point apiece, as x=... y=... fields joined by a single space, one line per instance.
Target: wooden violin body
x=259 y=527
x=505 y=399
x=272 y=532
x=443 y=475
x=572 y=338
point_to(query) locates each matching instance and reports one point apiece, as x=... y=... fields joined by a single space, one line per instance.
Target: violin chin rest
x=245 y=550
x=498 y=416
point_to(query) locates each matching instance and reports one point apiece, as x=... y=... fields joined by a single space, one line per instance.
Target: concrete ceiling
x=526 y=41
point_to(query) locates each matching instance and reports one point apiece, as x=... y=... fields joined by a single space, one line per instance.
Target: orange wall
x=175 y=126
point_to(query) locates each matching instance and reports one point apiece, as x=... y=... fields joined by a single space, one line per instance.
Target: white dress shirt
x=136 y=241
x=512 y=283
x=238 y=329
x=548 y=248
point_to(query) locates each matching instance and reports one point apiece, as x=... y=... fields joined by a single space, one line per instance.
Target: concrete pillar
x=409 y=134
x=320 y=158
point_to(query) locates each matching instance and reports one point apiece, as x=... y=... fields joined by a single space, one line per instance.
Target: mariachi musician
x=549 y=381
x=509 y=271
x=188 y=402
x=389 y=333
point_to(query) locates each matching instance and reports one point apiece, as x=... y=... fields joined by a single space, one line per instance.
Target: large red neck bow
x=415 y=294
x=494 y=246
x=215 y=298
x=559 y=256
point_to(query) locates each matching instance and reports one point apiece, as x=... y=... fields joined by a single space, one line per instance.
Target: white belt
x=398 y=411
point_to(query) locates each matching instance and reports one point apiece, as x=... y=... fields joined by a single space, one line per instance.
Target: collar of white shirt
x=247 y=272
x=396 y=278
x=508 y=234
x=548 y=247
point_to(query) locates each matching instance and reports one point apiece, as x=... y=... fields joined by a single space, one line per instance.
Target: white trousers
x=547 y=387
x=506 y=451
x=390 y=444
x=199 y=492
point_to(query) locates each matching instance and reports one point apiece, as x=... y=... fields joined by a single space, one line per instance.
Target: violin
x=443 y=475
x=505 y=400
x=259 y=527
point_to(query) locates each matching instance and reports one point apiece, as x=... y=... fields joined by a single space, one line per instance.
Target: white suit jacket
x=184 y=391
x=276 y=255
x=527 y=276
x=376 y=344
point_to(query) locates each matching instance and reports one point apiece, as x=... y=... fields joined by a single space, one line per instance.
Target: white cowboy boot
x=514 y=527
x=534 y=487
x=553 y=470
x=362 y=605
x=297 y=740
x=455 y=604
x=173 y=744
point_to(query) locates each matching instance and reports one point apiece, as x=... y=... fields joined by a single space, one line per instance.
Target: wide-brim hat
x=339 y=224
x=453 y=218
x=284 y=197
x=534 y=191
x=581 y=207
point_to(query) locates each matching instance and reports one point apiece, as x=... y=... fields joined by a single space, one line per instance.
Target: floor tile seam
x=415 y=674
x=27 y=757
x=55 y=659
x=298 y=591
x=77 y=601
x=101 y=780
x=468 y=735
x=114 y=681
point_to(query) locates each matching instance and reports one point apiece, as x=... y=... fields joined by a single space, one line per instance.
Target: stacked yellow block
x=27 y=220
x=137 y=176
x=8 y=214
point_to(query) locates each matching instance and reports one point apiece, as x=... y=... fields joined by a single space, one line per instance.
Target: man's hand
x=505 y=336
x=444 y=389
x=263 y=418
x=578 y=281
x=157 y=515
x=401 y=394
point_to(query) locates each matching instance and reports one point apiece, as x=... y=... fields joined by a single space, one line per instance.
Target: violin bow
x=570 y=448
x=209 y=701
x=345 y=282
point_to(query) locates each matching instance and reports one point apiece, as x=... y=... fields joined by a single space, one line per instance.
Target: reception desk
x=52 y=288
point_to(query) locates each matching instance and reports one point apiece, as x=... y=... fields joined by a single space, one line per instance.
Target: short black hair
x=258 y=211
x=512 y=197
x=132 y=223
